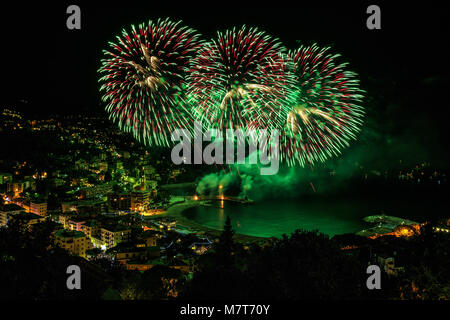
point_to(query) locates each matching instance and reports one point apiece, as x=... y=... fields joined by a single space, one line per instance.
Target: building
x=178 y=264
x=84 y=206
x=142 y=266
x=28 y=218
x=442 y=226
x=119 y=201
x=90 y=229
x=100 y=189
x=183 y=265
x=201 y=247
x=68 y=207
x=113 y=235
x=125 y=252
x=38 y=207
x=64 y=220
x=75 y=242
x=5 y=178
x=76 y=223
x=388 y=265
x=97 y=242
x=148 y=239
x=15 y=188
x=102 y=166
x=140 y=199
x=8 y=210
x=23 y=202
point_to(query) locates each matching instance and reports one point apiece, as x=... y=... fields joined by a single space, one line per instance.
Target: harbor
x=389 y=225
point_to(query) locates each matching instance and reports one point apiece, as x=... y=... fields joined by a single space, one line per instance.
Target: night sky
x=48 y=69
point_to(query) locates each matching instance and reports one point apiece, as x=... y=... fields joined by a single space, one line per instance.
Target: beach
x=175 y=211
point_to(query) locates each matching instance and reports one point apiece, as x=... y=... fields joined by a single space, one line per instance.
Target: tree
x=30 y=268
x=224 y=248
x=92 y=179
x=305 y=265
x=158 y=283
x=108 y=176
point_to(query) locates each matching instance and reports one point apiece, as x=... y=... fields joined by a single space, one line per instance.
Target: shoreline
x=175 y=211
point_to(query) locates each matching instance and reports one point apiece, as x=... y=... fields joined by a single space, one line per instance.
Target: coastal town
x=104 y=201
x=107 y=198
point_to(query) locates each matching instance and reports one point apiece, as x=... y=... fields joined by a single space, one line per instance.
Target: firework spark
x=326 y=112
x=143 y=76
x=239 y=80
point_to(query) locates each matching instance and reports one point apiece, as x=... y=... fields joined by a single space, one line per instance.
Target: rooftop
x=27 y=216
x=38 y=201
x=69 y=234
x=148 y=262
x=115 y=228
x=10 y=207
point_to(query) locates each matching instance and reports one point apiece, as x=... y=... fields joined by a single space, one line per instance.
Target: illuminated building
x=390 y=226
x=111 y=236
x=119 y=201
x=64 y=220
x=75 y=224
x=441 y=229
x=142 y=266
x=75 y=242
x=22 y=202
x=406 y=230
x=125 y=253
x=94 y=191
x=97 y=242
x=81 y=206
x=90 y=228
x=202 y=246
x=68 y=207
x=6 y=211
x=140 y=199
x=39 y=208
x=182 y=265
x=15 y=187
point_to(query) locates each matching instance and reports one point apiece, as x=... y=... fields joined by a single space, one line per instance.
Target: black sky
x=54 y=69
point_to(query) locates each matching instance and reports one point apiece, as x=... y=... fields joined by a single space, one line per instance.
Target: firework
x=239 y=80
x=325 y=112
x=142 y=79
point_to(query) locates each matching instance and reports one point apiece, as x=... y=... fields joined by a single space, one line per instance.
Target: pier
x=222 y=198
